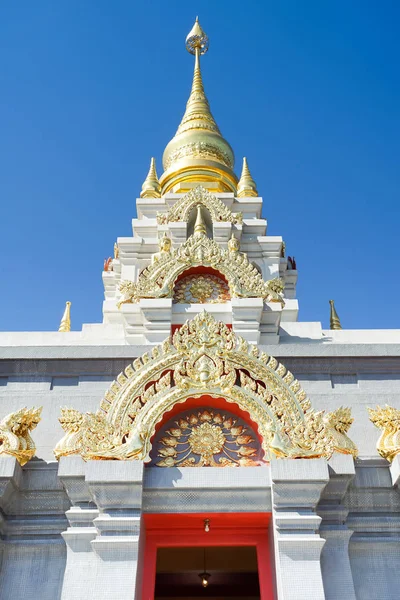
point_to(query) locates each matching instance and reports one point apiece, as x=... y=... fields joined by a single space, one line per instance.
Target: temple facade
x=200 y=441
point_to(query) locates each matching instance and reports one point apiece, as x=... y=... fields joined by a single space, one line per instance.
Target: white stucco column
x=103 y=536
x=116 y=488
x=246 y=318
x=81 y=560
x=335 y=560
x=297 y=486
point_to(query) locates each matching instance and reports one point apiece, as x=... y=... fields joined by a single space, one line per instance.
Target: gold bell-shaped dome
x=198 y=152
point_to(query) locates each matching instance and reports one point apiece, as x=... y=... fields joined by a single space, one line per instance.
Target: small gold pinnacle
x=65 y=324
x=246 y=186
x=151 y=186
x=334 y=320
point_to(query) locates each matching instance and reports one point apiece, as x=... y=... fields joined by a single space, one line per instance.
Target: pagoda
x=199 y=240
x=200 y=441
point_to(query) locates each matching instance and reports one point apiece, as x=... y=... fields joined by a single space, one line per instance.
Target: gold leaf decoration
x=158 y=279
x=207 y=439
x=207 y=358
x=15 y=428
x=182 y=208
x=387 y=418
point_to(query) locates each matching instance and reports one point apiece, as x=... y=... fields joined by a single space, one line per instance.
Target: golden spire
x=200 y=226
x=198 y=152
x=246 y=186
x=335 y=321
x=151 y=186
x=65 y=324
x=197 y=114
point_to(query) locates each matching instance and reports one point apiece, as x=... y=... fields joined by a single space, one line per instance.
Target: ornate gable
x=157 y=280
x=181 y=210
x=205 y=358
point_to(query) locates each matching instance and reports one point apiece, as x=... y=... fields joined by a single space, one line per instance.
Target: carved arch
x=158 y=279
x=182 y=208
x=205 y=356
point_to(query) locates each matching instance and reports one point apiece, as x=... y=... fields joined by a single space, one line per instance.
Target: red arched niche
x=200 y=271
x=217 y=404
x=220 y=284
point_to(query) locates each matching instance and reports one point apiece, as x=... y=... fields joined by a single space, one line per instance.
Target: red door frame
x=226 y=529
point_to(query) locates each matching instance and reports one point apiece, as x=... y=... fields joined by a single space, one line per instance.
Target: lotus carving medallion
x=205 y=438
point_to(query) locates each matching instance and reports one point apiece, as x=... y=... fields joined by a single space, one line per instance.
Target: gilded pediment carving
x=205 y=358
x=158 y=279
x=182 y=208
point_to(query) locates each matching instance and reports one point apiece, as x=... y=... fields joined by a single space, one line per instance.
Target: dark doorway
x=233 y=573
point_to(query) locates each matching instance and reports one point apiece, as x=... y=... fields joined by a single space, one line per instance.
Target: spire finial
x=334 y=320
x=65 y=324
x=151 y=186
x=200 y=226
x=197 y=112
x=197 y=40
x=246 y=186
x=198 y=151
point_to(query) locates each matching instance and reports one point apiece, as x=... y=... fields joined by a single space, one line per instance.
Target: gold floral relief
x=202 y=289
x=205 y=438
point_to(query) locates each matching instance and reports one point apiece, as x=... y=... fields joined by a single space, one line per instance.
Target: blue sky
x=308 y=91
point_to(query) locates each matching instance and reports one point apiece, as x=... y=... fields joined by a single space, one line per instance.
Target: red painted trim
x=226 y=529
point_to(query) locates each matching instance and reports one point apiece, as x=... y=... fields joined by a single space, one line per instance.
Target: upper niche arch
x=206 y=436
x=158 y=279
x=182 y=208
x=205 y=356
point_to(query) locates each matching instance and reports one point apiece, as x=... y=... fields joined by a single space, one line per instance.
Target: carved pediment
x=158 y=279
x=205 y=358
x=182 y=208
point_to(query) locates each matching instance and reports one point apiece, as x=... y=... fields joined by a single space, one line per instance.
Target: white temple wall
x=32 y=570
x=375 y=568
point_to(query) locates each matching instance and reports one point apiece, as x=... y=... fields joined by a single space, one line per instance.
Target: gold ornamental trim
x=15 y=428
x=387 y=418
x=182 y=208
x=205 y=357
x=158 y=279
